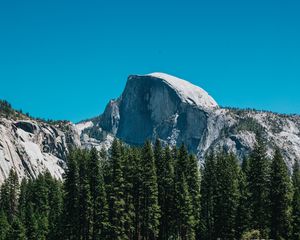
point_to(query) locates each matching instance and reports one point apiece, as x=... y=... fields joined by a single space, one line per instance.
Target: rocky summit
x=153 y=106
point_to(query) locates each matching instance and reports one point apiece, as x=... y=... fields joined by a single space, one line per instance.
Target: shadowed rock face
x=149 y=108
x=141 y=111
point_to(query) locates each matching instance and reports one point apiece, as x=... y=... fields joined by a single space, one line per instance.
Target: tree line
x=155 y=192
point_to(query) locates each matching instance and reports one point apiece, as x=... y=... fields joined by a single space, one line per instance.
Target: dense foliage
x=152 y=193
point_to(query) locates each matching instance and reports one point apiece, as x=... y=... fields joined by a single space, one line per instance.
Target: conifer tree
x=17 y=230
x=4 y=226
x=135 y=158
x=71 y=203
x=9 y=195
x=100 y=224
x=116 y=194
x=23 y=199
x=296 y=202
x=259 y=185
x=84 y=199
x=184 y=219
x=208 y=191
x=159 y=164
x=183 y=206
x=226 y=196
x=31 y=222
x=243 y=211
x=150 y=212
x=39 y=198
x=194 y=182
x=55 y=199
x=280 y=197
x=166 y=191
x=128 y=172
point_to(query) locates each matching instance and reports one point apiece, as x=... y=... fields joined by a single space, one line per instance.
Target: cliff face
x=175 y=111
x=32 y=147
x=151 y=107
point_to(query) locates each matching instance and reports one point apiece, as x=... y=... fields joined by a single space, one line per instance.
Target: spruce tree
x=296 y=202
x=150 y=212
x=280 y=197
x=259 y=185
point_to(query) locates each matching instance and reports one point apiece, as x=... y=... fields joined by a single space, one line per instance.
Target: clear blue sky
x=65 y=59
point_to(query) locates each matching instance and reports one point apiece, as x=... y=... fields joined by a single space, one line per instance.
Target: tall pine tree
x=166 y=190
x=194 y=182
x=243 y=215
x=184 y=219
x=226 y=196
x=17 y=230
x=9 y=195
x=116 y=193
x=208 y=191
x=259 y=185
x=100 y=224
x=128 y=172
x=84 y=198
x=280 y=198
x=150 y=212
x=71 y=201
x=4 y=226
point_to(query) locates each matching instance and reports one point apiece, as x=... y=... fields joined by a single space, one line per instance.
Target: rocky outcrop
x=31 y=147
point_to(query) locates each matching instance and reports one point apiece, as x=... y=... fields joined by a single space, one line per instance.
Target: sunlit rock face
x=32 y=147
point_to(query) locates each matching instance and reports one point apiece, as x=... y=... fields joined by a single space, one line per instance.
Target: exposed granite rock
x=175 y=111
x=31 y=147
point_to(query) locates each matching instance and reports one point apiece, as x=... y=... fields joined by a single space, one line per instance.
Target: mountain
x=151 y=106
x=161 y=106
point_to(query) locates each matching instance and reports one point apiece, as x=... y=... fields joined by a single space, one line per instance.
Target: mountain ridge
x=151 y=107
